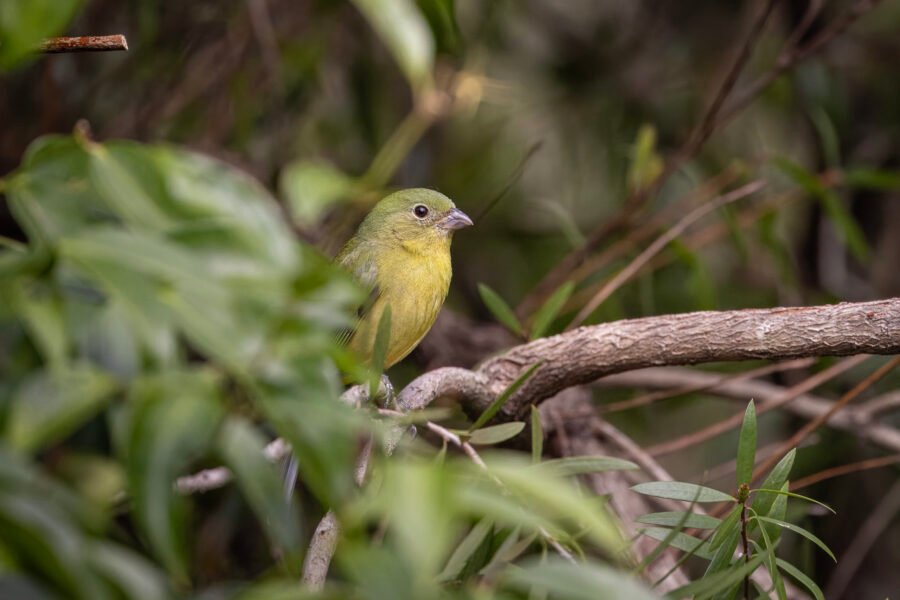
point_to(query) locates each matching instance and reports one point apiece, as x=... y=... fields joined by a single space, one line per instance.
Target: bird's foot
x=385 y=395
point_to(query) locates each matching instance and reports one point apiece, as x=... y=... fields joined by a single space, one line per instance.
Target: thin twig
x=852 y=419
x=807 y=429
x=735 y=420
x=211 y=479
x=635 y=265
x=841 y=470
x=794 y=55
x=724 y=113
x=87 y=43
x=876 y=524
x=324 y=541
x=645 y=399
x=708 y=123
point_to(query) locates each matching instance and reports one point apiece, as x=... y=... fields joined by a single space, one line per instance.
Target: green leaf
x=165 y=283
x=783 y=492
x=42 y=311
x=580 y=465
x=24 y=23
x=647 y=164
x=769 y=546
x=496 y=433
x=123 y=192
x=405 y=32
x=537 y=435
x=50 y=543
x=700 y=281
x=544 y=496
x=550 y=309
x=47 y=406
x=724 y=556
x=746 y=453
x=173 y=419
x=800 y=576
x=313 y=188
x=441 y=17
x=582 y=581
x=500 y=309
x=799 y=530
x=876 y=179
x=324 y=433
x=677 y=490
x=778 y=511
x=671 y=519
x=847 y=227
x=500 y=400
x=712 y=584
x=133 y=575
x=466 y=549
x=679 y=540
x=728 y=526
x=831 y=146
x=242 y=449
x=762 y=502
x=380 y=349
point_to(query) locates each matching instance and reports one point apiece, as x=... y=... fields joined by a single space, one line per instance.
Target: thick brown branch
x=87 y=43
x=588 y=353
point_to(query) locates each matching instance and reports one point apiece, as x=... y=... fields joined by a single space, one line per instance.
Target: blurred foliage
x=161 y=312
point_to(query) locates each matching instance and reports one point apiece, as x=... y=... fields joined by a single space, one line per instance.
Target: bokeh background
x=555 y=116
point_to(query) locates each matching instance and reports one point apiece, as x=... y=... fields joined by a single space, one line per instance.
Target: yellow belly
x=415 y=290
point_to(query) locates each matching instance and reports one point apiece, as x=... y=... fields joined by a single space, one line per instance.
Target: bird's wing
x=361 y=264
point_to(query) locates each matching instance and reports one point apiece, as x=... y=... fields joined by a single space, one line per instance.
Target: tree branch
x=87 y=43
x=588 y=353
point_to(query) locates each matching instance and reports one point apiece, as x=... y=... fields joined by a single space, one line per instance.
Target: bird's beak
x=454 y=219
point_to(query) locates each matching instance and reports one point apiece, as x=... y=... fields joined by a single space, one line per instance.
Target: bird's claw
x=386 y=392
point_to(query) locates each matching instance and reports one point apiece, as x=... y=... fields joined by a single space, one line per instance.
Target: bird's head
x=414 y=218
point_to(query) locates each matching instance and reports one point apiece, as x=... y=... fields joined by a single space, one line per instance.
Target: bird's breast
x=414 y=286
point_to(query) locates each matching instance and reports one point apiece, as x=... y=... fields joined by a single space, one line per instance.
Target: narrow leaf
x=802 y=577
x=672 y=519
x=725 y=528
x=537 y=435
x=466 y=549
x=500 y=309
x=762 y=503
x=795 y=495
x=498 y=402
x=679 y=540
x=580 y=465
x=405 y=32
x=380 y=350
x=496 y=433
x=844 y=222
x=242 y=447
x=746 y=454
x=799 y=530
x=550 y=309
x=876 y=179
x=678 y=490
x=710 y=585
x=584 y=581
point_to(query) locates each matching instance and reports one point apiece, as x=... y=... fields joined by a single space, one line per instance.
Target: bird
x=400 y=254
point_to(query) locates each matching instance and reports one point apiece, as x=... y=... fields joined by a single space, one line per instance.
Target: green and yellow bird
x=401 y=253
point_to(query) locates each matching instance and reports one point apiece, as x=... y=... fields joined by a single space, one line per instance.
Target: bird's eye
x=420 y=211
